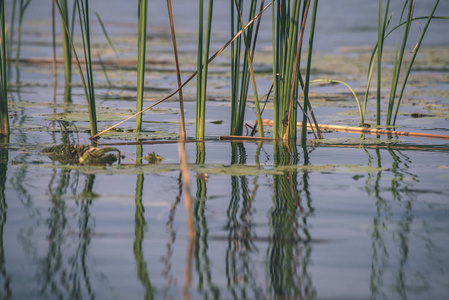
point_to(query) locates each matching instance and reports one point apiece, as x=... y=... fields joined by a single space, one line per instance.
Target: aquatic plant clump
x=82 y=154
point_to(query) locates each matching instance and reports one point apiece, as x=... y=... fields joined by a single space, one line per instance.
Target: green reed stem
x=23 y=7
x=67 y=50
x=92 y=118
x=111 y=44
x=251 y=73
x=415 y=52
x=83 y=12
x=240 y=79
x=308 y=68
x=399 y=58
x=178 y=71
x=141 y=48
x=202 y=76
x=4 y=119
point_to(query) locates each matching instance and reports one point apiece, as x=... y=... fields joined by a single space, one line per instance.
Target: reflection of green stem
x=139 y=232
x=285 y=253
x=5 y=278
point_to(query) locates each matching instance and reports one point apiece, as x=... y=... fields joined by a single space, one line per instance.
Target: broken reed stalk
x=178 y=71
x=187 y=80
x=4 y=119
x=141 y=48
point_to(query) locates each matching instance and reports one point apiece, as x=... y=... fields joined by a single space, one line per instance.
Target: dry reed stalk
x=371 y=131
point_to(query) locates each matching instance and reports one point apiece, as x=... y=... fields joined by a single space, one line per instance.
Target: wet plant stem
x=308 y=70
x=251 y=73
x=202 y=68
x=83 y=12
x=141 y=48
x=67 y=50
x=178 y=71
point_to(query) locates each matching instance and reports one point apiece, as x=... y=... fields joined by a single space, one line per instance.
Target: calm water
x=347 y=222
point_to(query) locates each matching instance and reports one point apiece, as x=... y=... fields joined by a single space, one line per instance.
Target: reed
x=288 y=25
x=415 y=52
x=202 y=66
x=394 y=100
x=22 y=8
x=4 y=119
x=239 y=73
x=141 y=48
x=83 y=12
x=178 y=71
x=67 y=50
x=249 y=58
x=306 y=104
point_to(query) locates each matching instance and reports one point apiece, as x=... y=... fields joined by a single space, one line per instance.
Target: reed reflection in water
x=245 y=245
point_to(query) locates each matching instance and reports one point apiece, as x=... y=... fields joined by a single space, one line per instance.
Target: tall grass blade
x=53 y=39
x=202 y=76
x=399 y=56
x=251 y=74
x=111 y=44
x=142 y=35
x=4 y=119
x=23 y=7
x=178 y=71
x=308 y=70
x=83 y=12
x=92 y=119
x=67 y=50
x=11 y=38
x=240 y=79
x=415 y=52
